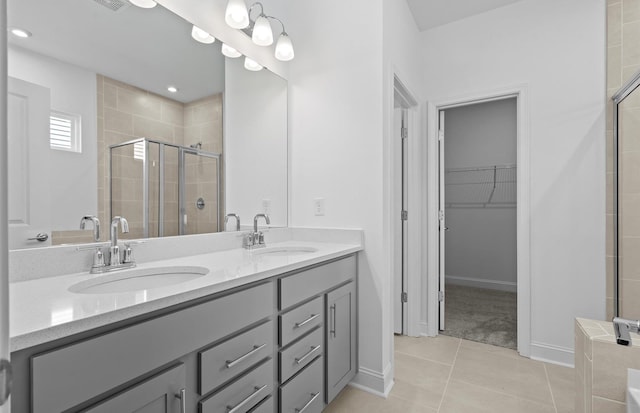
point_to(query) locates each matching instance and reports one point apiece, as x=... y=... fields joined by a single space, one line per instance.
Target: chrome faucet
x=623 y=327
x=96 y=225
x=114 y=250
x=226 y=219
x=255 y=239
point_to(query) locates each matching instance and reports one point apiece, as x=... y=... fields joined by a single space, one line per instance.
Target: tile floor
x=451 y=375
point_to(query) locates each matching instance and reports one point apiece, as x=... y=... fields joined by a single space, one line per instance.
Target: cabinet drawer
x=294 y=358
x=266 y=406
x=224 y=361
x=159 y=393
x=298 y=287
x=242 y=395
x=297 y=322
x=303 y=394
x=97 y=365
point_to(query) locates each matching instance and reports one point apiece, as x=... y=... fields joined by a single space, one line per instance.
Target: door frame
x=416 y=194
x=520 y=92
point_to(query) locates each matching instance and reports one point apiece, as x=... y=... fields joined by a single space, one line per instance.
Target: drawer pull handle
x=239 y=406
x=314 y=396
x=183 y=400
x=310 y=352
x=233 y=363
x=332 y=330
x=307 y=321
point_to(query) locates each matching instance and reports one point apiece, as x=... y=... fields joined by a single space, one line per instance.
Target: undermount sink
x=138 y=279
x=285 y=250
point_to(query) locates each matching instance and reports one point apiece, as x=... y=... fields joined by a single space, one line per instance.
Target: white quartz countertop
x=43 y=309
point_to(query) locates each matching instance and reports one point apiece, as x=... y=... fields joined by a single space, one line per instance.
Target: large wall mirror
x=626 y=282
x=95 y=131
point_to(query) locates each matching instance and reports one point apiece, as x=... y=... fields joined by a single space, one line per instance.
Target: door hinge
x=404 y=297
x=440 y=134
x=440 y=296
x=6 y=380
x=404 y=133
x=404 y=215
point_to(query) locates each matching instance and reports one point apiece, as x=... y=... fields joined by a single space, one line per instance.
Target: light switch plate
x=318 y=206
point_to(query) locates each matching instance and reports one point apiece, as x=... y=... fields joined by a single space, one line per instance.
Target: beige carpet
x=477 y=314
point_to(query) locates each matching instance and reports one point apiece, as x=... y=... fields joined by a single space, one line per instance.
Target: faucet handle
x=128 y=254
x=98 y=259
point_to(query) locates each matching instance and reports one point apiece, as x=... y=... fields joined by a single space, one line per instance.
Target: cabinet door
x=341 y=339
x=158 y=394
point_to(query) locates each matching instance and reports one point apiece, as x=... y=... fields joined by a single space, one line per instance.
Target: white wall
x=72 y=176
x=556 y=48
x=255 y=143
x=341 y=100
x=481 y=241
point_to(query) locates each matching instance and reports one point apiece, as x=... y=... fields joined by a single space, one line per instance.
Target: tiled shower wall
x=623 y=61
x=125 y=113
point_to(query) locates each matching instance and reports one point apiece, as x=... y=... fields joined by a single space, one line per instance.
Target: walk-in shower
x=626 y=200
x=164 y=189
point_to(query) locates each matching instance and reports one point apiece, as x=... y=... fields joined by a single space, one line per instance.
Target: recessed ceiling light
x=23 y=34
x=172 y=89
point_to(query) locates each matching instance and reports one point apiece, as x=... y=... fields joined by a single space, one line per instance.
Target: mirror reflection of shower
x=164 y=189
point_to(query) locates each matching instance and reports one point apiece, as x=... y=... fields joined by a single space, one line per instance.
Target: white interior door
x=442 y=224
x=404 y=132
x=28 y=109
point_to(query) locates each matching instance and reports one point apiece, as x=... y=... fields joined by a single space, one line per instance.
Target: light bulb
x=252 y=65
x=236 y=14
x=284 y=48
x=201 y=36
x=145 y=4
x=172 y=89
x=262 y=34
x=230 y=51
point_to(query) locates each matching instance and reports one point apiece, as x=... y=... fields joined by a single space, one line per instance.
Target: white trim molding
x=520 y=92
x=549 y=353
x=483 y=283
x=374 y=382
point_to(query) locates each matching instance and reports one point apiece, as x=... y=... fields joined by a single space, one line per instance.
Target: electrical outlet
x=266 y=206
x=318 y=206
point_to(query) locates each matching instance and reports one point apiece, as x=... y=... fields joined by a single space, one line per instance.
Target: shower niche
x=164 y=189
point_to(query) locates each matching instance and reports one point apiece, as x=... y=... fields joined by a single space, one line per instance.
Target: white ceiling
x=432 y=13
x=147 y=48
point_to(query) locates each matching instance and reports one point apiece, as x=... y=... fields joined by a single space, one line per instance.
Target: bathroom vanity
x=279 y=338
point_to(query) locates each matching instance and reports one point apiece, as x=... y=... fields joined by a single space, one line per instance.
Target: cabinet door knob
x=183 y=400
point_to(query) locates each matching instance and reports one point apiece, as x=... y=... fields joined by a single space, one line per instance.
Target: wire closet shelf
x=491 y=186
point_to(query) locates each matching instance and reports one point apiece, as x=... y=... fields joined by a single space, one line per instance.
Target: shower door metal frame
x=181 y=182
x=617 y=99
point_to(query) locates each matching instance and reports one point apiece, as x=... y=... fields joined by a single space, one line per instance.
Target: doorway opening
x=478 y=152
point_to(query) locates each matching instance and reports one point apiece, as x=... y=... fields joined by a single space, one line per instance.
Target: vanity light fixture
x=145 y=4
x=236 y=14
x=201 y=36
x=230 y=51
x=21 y=33
x=238 y=17
x=252 y=65
x=172 y=89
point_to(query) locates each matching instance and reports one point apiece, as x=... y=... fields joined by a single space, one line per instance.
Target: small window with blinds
x=64 y=132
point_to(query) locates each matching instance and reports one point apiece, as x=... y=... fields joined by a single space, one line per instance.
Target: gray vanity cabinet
x=162 y=393
x=341 y=339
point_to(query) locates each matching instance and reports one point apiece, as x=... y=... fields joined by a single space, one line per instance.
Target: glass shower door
x=199 y=192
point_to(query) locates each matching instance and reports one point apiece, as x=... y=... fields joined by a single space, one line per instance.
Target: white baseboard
x=374 y=382
x=482 y=283
x=549 y=353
